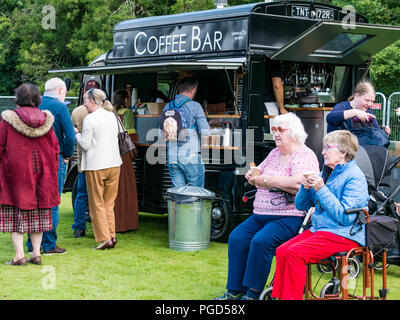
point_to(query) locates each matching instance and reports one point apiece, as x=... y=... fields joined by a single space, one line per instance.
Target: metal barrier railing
x=7 y=102
x=379 y=108
x=392 y=119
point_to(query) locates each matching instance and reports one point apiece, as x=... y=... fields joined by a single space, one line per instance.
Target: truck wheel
x=221 y=221
x=74 y=191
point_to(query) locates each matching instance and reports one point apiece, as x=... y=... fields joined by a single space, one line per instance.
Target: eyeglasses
x=278 y=129
x=328 y=146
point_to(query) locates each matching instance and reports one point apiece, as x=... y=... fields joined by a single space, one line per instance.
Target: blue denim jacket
x=346 y=188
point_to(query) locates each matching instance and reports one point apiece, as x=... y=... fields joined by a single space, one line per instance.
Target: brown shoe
x=56 y=250
x=106 y=245
x=20 y=262
x=35 y=260
x=114 y=241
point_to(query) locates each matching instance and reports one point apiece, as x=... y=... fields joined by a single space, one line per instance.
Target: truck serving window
x=342 y=43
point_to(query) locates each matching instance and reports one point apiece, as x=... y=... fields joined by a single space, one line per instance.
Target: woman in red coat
x=28 y=172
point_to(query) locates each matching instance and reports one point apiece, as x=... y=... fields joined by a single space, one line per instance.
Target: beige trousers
x=102 y=187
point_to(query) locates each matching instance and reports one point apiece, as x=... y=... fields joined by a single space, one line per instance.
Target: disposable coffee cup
x=308 y=174
x=255 y=171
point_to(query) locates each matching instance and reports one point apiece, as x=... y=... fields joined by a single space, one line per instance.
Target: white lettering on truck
x=176 y=43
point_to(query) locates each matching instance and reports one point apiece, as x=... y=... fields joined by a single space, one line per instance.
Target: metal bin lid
x=188 y=194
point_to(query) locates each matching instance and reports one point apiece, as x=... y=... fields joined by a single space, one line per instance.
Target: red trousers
x=292 y=258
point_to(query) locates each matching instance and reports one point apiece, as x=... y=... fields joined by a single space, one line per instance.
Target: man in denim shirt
x=184 y=158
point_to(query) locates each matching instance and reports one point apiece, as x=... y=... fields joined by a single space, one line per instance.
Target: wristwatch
x=265 y=182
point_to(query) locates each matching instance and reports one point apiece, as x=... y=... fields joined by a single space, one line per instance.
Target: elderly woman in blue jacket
x=331 y=229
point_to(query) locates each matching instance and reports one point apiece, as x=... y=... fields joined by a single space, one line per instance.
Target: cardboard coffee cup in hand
x=255 y=171
x=308 y=174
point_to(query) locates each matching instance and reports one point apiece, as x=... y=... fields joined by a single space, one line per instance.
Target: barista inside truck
x=274 y=92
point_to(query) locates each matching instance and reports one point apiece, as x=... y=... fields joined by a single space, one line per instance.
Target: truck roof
x=273 y=7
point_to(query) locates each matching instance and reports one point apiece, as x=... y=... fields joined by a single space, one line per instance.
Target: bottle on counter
x=227 y=134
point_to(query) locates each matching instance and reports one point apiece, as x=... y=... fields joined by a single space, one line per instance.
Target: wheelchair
x=347 y=266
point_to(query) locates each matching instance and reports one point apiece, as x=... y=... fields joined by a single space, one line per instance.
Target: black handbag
x=125 y=142
x=381 y=231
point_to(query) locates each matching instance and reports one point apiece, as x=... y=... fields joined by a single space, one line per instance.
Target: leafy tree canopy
x=83 y=29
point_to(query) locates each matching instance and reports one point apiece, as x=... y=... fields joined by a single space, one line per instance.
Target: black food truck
x=323 y=50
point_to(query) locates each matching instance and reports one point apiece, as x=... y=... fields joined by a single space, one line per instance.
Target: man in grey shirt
x=184 y=158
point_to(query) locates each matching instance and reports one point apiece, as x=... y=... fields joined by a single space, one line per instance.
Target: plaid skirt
x=13 y=219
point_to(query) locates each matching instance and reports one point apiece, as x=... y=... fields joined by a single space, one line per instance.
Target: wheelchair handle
x=356 y=210
x=362 y=219
x=395 y=162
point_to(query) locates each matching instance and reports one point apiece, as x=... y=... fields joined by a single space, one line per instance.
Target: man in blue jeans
x=81 y=200
x=184 y=159
x=53 y=100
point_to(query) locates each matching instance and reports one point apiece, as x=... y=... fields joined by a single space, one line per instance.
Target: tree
x=385 y=70
x=84 y=29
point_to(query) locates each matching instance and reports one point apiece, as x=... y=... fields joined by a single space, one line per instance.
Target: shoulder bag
x=124 y=140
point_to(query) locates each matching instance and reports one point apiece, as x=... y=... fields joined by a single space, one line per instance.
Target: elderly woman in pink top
x=252 y=245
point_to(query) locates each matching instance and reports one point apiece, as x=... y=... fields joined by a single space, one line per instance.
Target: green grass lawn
x=141 y=266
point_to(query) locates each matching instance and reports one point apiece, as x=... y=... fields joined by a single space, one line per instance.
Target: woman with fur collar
x=28 y=172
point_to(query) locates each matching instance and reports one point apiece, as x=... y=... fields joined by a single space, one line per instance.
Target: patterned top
x=273 y=203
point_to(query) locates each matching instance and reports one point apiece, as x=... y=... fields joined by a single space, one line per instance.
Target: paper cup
x=255 y=171
x=308 y=174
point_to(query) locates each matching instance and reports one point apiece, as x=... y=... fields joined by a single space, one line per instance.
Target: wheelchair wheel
x=266 y=294
x=379 y=265
x=329 y=288
x=353 y=268
x=326 y=268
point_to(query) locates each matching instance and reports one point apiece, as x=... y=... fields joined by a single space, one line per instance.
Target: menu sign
x=217 y=36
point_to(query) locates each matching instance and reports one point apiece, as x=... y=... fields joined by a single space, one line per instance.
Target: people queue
x=30 y=188
x=41 y=129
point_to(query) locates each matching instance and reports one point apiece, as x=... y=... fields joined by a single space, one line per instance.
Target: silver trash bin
x=189 y=217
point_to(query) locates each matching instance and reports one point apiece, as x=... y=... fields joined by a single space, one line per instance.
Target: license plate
x=298 y=11
x=306 y=12
x=324 y=14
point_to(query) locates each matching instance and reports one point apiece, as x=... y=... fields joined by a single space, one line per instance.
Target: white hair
x=294 y=123
x=54 y=84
